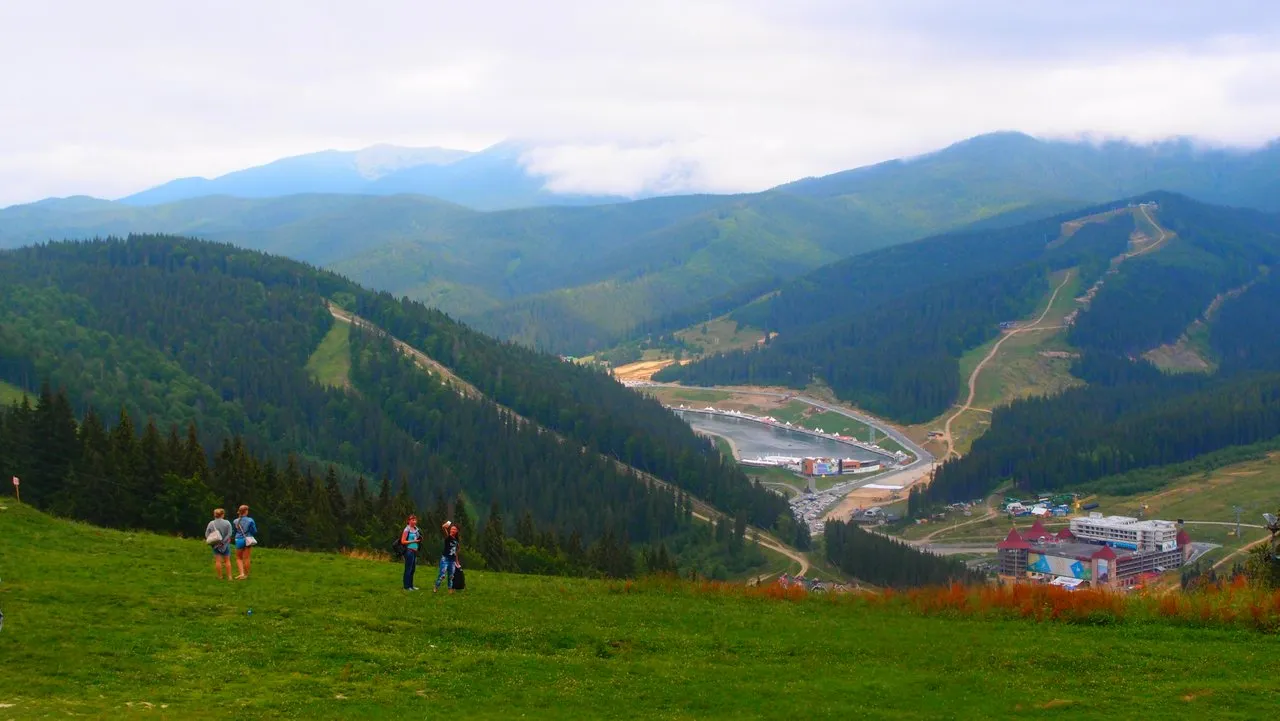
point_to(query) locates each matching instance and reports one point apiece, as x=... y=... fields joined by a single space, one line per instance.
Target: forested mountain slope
x=185 y=331
x=1131 y=420
x=886 y=330
x=577 y=279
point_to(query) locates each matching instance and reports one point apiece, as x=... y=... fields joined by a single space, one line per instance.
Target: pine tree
x=493 y=541
x=321 y=523
x=526 y=532
x=54 y=425
x=124 y=462
x=151 y=479
x=384 y=508
x=88 y=489
x=440 y=513
x=463 y=520
x=360 y=512
x=194 y=462
x=338 y=507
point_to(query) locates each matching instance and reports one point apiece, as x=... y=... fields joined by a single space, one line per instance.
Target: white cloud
x=619 y=97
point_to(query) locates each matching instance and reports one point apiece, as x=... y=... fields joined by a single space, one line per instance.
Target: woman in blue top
x=246 y=539
x=410 y=538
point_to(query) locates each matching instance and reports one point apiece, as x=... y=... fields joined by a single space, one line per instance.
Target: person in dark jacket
x=410 y=537
x=449 y=559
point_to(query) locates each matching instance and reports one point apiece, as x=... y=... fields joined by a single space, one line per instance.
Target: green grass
x=773 y=475
x=330 y=364
x=107 y=624
x=698 y=395
x=10 y=394
x=721 y=335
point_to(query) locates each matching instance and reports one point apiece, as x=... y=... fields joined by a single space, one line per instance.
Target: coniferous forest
x=193 y=333
x=884 y=561
x=886 y=329
x=1131 y=416
x=120 y=476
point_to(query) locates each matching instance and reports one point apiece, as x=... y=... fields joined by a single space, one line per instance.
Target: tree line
x=120 y=476
x=883 y=561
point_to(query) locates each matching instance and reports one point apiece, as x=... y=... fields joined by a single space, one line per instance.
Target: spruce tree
x=463 y=521
x=337 y=506
x=493 y=541
x=526 y=532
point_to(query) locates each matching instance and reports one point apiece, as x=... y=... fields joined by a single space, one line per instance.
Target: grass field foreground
x=103 y=623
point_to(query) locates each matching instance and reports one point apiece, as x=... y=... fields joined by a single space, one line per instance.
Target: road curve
x=977 y=370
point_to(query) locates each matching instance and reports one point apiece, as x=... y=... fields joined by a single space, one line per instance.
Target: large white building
x=1126 y=532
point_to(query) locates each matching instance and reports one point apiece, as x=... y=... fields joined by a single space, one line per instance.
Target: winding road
x=973 y=377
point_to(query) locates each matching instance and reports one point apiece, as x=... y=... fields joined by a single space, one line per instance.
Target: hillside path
x=702 y=509
x=990 y=514
x=1164 y=234
x=973 y=377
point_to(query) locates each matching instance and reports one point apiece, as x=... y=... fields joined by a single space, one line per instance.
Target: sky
x=626 y=97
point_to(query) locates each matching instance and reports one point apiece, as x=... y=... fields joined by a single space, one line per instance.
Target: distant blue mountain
x=492 y=179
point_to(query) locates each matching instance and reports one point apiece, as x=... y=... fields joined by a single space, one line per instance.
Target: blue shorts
x=240 y=544
x=221 y=550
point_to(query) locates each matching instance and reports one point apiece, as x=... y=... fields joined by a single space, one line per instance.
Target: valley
x=672 y=361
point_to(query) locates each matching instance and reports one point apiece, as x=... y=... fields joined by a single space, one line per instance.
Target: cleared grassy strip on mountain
x=1020 y=368
x=334 y=637
x=330 y=365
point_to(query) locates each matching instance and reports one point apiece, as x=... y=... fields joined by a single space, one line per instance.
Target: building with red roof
x=1132 y=550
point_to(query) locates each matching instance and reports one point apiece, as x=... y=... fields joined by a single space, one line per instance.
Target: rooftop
x=1124 y=522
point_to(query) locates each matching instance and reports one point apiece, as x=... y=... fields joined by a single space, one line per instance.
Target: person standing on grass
x=409 y=538
x=221 y=549
x=449 y=560
x=246 y=539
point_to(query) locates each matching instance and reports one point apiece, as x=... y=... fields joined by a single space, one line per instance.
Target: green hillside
x=323 y=636
x=242 y=346
x=576 y=279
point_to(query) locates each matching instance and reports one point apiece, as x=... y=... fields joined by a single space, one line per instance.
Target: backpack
x=459 y=580
x=397 y=550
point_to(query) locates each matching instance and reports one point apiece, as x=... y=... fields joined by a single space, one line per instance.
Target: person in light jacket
x=221 y=549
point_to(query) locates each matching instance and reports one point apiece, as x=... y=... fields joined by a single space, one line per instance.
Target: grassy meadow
x=330 y=364
x=110 y=624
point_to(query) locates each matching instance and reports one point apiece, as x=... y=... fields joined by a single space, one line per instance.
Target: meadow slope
x=103 y=623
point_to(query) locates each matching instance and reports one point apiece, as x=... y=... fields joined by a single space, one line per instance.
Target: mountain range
x=575 y=279
x=492 y=179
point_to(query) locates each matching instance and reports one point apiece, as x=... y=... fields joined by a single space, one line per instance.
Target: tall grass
x=1226 y=604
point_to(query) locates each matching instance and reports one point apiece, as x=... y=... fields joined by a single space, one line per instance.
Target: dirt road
x=973 y=377
x=990 y=514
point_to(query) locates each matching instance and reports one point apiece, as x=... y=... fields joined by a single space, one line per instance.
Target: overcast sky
x=107 y=98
